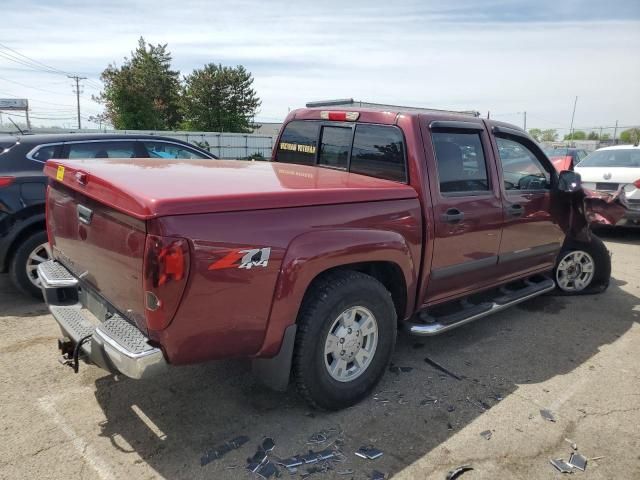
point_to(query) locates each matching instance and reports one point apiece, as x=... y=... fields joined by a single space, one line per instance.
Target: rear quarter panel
x=238 y=312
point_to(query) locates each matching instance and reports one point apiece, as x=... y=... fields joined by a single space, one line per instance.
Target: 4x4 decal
x=246 y=258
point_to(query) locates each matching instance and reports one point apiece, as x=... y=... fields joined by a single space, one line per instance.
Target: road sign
x=14 y=104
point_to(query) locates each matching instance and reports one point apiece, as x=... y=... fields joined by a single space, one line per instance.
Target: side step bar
x=506 y=298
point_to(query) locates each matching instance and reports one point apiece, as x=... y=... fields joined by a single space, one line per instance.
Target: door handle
x=84 y=214
x=515 y=210
x=453 y=215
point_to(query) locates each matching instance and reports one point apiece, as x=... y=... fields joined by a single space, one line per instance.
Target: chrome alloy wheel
x=40 y=254
x=351 y=344
x=575 y=271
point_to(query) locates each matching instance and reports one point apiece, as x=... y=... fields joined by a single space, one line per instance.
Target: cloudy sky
x=500 y=56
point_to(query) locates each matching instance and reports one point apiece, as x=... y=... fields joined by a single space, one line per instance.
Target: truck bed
x=149 y=188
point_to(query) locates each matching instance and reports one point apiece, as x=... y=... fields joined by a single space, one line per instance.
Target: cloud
x=502 y=56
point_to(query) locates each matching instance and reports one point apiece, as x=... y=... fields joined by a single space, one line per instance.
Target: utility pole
x=27 y=116
x=525 y=120
x=572 y=117
x=77 y=92
x=615 y=132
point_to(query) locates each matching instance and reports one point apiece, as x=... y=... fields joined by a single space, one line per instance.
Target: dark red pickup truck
x=364 y=221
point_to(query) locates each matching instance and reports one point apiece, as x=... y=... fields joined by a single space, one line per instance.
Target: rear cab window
x=367 y=149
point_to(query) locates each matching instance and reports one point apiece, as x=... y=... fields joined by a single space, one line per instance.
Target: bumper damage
x=107 y=340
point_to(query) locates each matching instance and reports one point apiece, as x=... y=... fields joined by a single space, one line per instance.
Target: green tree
x=577 y=135
x=631 y=135
x=593 y=136
x=144 y=93
x=536 y=133
x=549 y=135
x=605 y=136
x=219 y=98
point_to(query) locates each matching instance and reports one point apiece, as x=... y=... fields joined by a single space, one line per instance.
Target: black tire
x=601 y=259
x=328 y=298
x=18 y=266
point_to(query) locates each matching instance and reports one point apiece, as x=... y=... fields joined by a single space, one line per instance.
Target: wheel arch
x=382 y=254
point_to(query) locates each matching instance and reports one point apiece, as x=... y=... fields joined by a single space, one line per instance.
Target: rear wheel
x=23 y=269
x=346 y=335
x=583 y=267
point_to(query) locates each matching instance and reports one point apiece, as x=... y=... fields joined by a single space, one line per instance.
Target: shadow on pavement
x=18 y=303
x=193 y=409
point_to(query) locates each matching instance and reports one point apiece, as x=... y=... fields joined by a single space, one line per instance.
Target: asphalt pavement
x=577 y=357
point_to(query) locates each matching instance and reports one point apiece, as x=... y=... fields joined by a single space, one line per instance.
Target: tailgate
x=104 y=248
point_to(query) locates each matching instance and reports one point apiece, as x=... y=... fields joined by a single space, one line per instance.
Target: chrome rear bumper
x=114 y=344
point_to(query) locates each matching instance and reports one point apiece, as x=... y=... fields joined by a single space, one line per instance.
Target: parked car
x=23 y=239
x=611 y=168
x=565 y=158
x=364 y=220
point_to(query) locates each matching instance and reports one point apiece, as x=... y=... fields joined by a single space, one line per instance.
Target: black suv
x=23 y=237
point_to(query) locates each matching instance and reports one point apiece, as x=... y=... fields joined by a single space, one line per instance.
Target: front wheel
x=583 y=267
x=346 y=335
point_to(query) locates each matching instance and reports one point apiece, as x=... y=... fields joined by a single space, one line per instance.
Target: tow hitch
x=71 y=352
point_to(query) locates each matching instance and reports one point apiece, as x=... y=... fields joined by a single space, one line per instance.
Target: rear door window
x=298 y=143
x=335 y=146
x=378 y=151
x=116 y=149
x=170 y=150
x=461 y=164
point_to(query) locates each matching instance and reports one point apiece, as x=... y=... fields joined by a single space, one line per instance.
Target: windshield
x=613 y=158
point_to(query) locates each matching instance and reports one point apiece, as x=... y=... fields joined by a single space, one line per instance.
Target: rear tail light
x=166 y=269
x=6 y=181
x=339 y=116
x=637 y=183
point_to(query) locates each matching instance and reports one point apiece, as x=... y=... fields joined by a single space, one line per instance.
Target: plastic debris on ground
x=437 y=366
x=369 y=452
x=397 y=370
x=456 y=472
x=486 y=434
x=222 y=450
x=561 y=465
x=578 y=461
x=260 y=463
x=477 y=404
x=548 y=415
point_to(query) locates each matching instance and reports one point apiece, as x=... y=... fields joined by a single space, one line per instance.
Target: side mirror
x=569 y=182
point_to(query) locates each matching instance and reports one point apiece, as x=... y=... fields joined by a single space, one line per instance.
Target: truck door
x=531 y=238
x=467 y=207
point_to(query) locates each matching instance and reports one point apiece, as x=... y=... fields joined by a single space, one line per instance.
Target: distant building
x=267 y=128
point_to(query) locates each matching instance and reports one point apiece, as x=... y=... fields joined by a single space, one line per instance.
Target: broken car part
x=578 y=461
x=437 y=366
x=456 y=472
x=369 y=452
x=561 y=465
x=223 y=449
x=376 y=475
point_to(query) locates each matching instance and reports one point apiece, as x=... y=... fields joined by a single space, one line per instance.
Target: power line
x=31 y=86
x=31 y=61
